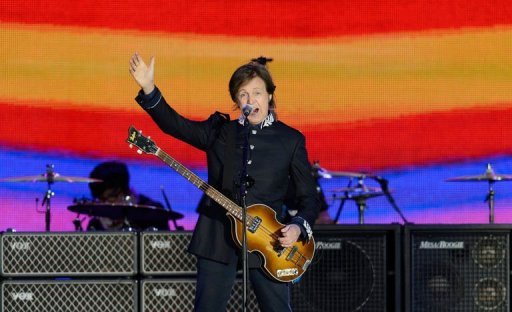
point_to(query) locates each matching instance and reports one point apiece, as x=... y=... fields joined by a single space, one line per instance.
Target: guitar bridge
x=254 y=225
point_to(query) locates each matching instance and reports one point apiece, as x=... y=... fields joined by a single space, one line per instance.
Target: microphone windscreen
x=247 y=109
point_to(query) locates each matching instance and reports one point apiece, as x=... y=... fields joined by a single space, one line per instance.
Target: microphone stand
x=243 y=195
x=385 y=189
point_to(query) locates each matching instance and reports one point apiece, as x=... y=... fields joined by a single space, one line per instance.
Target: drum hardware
x=77 y=222
x=490 y=177
x=50 y=177
x=168 y=204
x=130 y=213
x=326 y=174
x=359 y=194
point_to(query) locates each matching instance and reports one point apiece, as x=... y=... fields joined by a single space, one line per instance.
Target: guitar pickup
x=254 y=225
x=292 y=253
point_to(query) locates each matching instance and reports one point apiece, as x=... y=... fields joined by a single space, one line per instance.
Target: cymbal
x=351 y=174
x=359 y=192
x=321 y=172
x=488 y=176
x=482 y=178
x=45 y=177
x=132 y=212
x=330 y=174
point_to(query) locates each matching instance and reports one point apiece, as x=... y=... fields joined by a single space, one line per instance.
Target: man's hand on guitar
x=289 y=235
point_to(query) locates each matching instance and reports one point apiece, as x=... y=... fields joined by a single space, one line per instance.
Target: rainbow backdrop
x=418 y=91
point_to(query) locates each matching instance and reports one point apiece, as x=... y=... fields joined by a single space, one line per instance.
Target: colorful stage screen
x=416 y=92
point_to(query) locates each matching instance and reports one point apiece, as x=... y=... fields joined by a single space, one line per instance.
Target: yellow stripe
x=336 y=79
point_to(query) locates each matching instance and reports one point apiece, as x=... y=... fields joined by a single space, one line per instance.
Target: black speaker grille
x=49 y=296
x=349 y=274
x=68 y=254
x=165 y=253
x=454 y=271
x=178 y=295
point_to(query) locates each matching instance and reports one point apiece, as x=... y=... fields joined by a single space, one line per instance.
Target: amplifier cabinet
x=68 y=254
x=355 y=268
x=58 y=296
x=457 y=267
x=165 y=253
x=175 y=294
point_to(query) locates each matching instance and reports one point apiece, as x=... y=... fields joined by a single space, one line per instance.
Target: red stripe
x=370 y=145
x=268 y=18
x=96 y=133
x=424 y=139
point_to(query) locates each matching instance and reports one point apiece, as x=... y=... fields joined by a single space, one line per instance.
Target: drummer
x=115 y=189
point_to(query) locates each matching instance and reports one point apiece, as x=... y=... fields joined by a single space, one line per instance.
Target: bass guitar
x=283 y=264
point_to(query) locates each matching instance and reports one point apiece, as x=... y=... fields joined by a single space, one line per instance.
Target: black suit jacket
x=277 y=157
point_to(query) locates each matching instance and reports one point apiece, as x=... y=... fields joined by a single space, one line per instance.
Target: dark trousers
x=215 y=281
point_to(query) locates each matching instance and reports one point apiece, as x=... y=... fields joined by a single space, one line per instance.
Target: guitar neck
x=209 y=190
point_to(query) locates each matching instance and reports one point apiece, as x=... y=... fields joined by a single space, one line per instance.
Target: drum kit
x=490 y=177
x=361 y=193
x=133 y=213
x=125 y=210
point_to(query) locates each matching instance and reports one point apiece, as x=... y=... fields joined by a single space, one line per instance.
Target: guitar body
x=282 y=264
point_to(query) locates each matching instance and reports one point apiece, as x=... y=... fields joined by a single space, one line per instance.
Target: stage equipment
x=490 y=177
x=356 y=268
x=457 y=268
x=165 y=253
x=178 y=295
x=49 y=177
x=124 y=210
x=359 y=194
x=76 y=295
x=68 y=254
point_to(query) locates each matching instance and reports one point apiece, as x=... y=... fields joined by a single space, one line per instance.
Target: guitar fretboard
x=209 y=190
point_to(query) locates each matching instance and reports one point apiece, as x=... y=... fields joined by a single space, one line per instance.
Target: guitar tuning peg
x=139 y=152
x=130 y=145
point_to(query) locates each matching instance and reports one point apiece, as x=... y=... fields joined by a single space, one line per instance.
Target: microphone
x=247 y=109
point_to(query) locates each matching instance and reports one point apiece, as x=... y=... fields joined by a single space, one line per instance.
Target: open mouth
x=255 y=110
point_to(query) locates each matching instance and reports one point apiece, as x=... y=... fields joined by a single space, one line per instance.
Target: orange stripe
x=322 y=80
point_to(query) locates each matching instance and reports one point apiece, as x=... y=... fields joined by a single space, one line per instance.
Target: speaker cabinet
x=356 y=268
x=50 y=296
x=176 y=294
x=165 y=253
x=457 y=268
x=68 y=254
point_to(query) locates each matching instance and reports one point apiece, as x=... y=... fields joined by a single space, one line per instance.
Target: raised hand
x=142 y=73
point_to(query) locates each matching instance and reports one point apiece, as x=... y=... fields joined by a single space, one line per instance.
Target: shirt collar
x=267 y=122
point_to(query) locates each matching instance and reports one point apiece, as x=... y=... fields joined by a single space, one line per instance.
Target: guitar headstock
x=144 y=144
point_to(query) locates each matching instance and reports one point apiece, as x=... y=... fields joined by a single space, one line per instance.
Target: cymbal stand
x=490 y=199
x=361 y=207
x=342 y=203
x=176 y=226
x=50 y=174
x=384 y=185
